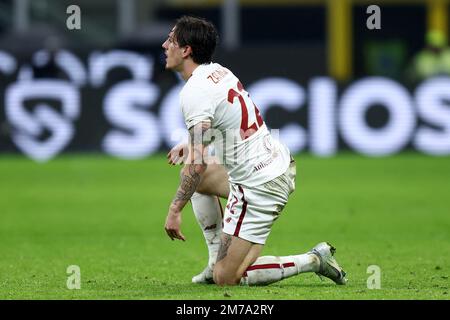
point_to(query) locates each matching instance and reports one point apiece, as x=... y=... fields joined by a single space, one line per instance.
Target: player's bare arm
x=190 y=178
x=215 y=179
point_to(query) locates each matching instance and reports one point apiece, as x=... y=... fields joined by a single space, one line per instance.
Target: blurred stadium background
x=85 y=115
x=317 y=72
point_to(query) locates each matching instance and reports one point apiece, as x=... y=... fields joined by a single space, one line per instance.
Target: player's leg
x=235 y=255
x=320 y=259
x=269 y=269
x=208 y=213
x=215 y=181
x=238 y=262
x=248 y=219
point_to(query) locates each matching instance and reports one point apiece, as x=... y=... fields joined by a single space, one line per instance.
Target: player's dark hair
x=200 y=34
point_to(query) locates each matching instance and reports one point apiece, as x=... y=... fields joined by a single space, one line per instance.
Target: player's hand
x=172 y=226
x=178 y=154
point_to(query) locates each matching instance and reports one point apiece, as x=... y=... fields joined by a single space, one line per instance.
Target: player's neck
x=188 y=69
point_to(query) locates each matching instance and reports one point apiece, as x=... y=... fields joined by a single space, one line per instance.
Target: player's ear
x=187 y=51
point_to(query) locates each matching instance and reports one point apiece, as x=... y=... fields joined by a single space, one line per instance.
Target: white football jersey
x=242 y=141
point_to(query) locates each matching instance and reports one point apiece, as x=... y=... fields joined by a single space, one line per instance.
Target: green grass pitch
x=107 y=216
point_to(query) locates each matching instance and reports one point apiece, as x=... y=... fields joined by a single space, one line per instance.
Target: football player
x=260 y=170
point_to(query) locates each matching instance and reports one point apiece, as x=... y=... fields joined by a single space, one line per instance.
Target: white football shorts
x=250 y=212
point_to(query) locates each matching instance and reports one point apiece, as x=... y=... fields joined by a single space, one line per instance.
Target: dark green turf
x=107 y=217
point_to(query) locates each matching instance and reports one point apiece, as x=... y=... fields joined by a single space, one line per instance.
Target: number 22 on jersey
x=246 y=129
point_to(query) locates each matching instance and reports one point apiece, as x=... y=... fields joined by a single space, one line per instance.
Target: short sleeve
x=197 y=106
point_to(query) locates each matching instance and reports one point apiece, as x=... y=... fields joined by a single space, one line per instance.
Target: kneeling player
x=261 y=172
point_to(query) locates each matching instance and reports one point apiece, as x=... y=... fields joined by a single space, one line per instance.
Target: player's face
x=173 y=53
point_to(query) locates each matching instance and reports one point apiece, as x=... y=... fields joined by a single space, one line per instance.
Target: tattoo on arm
x=195 y=165
x=225 y=243
x=188 y=184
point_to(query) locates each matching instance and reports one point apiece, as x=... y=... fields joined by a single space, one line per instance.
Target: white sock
x=270 y=269
x=208 y=212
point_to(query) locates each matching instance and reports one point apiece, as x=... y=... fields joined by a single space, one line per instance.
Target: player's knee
x=226 y=281
x=223 y=278
x=203 y=189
